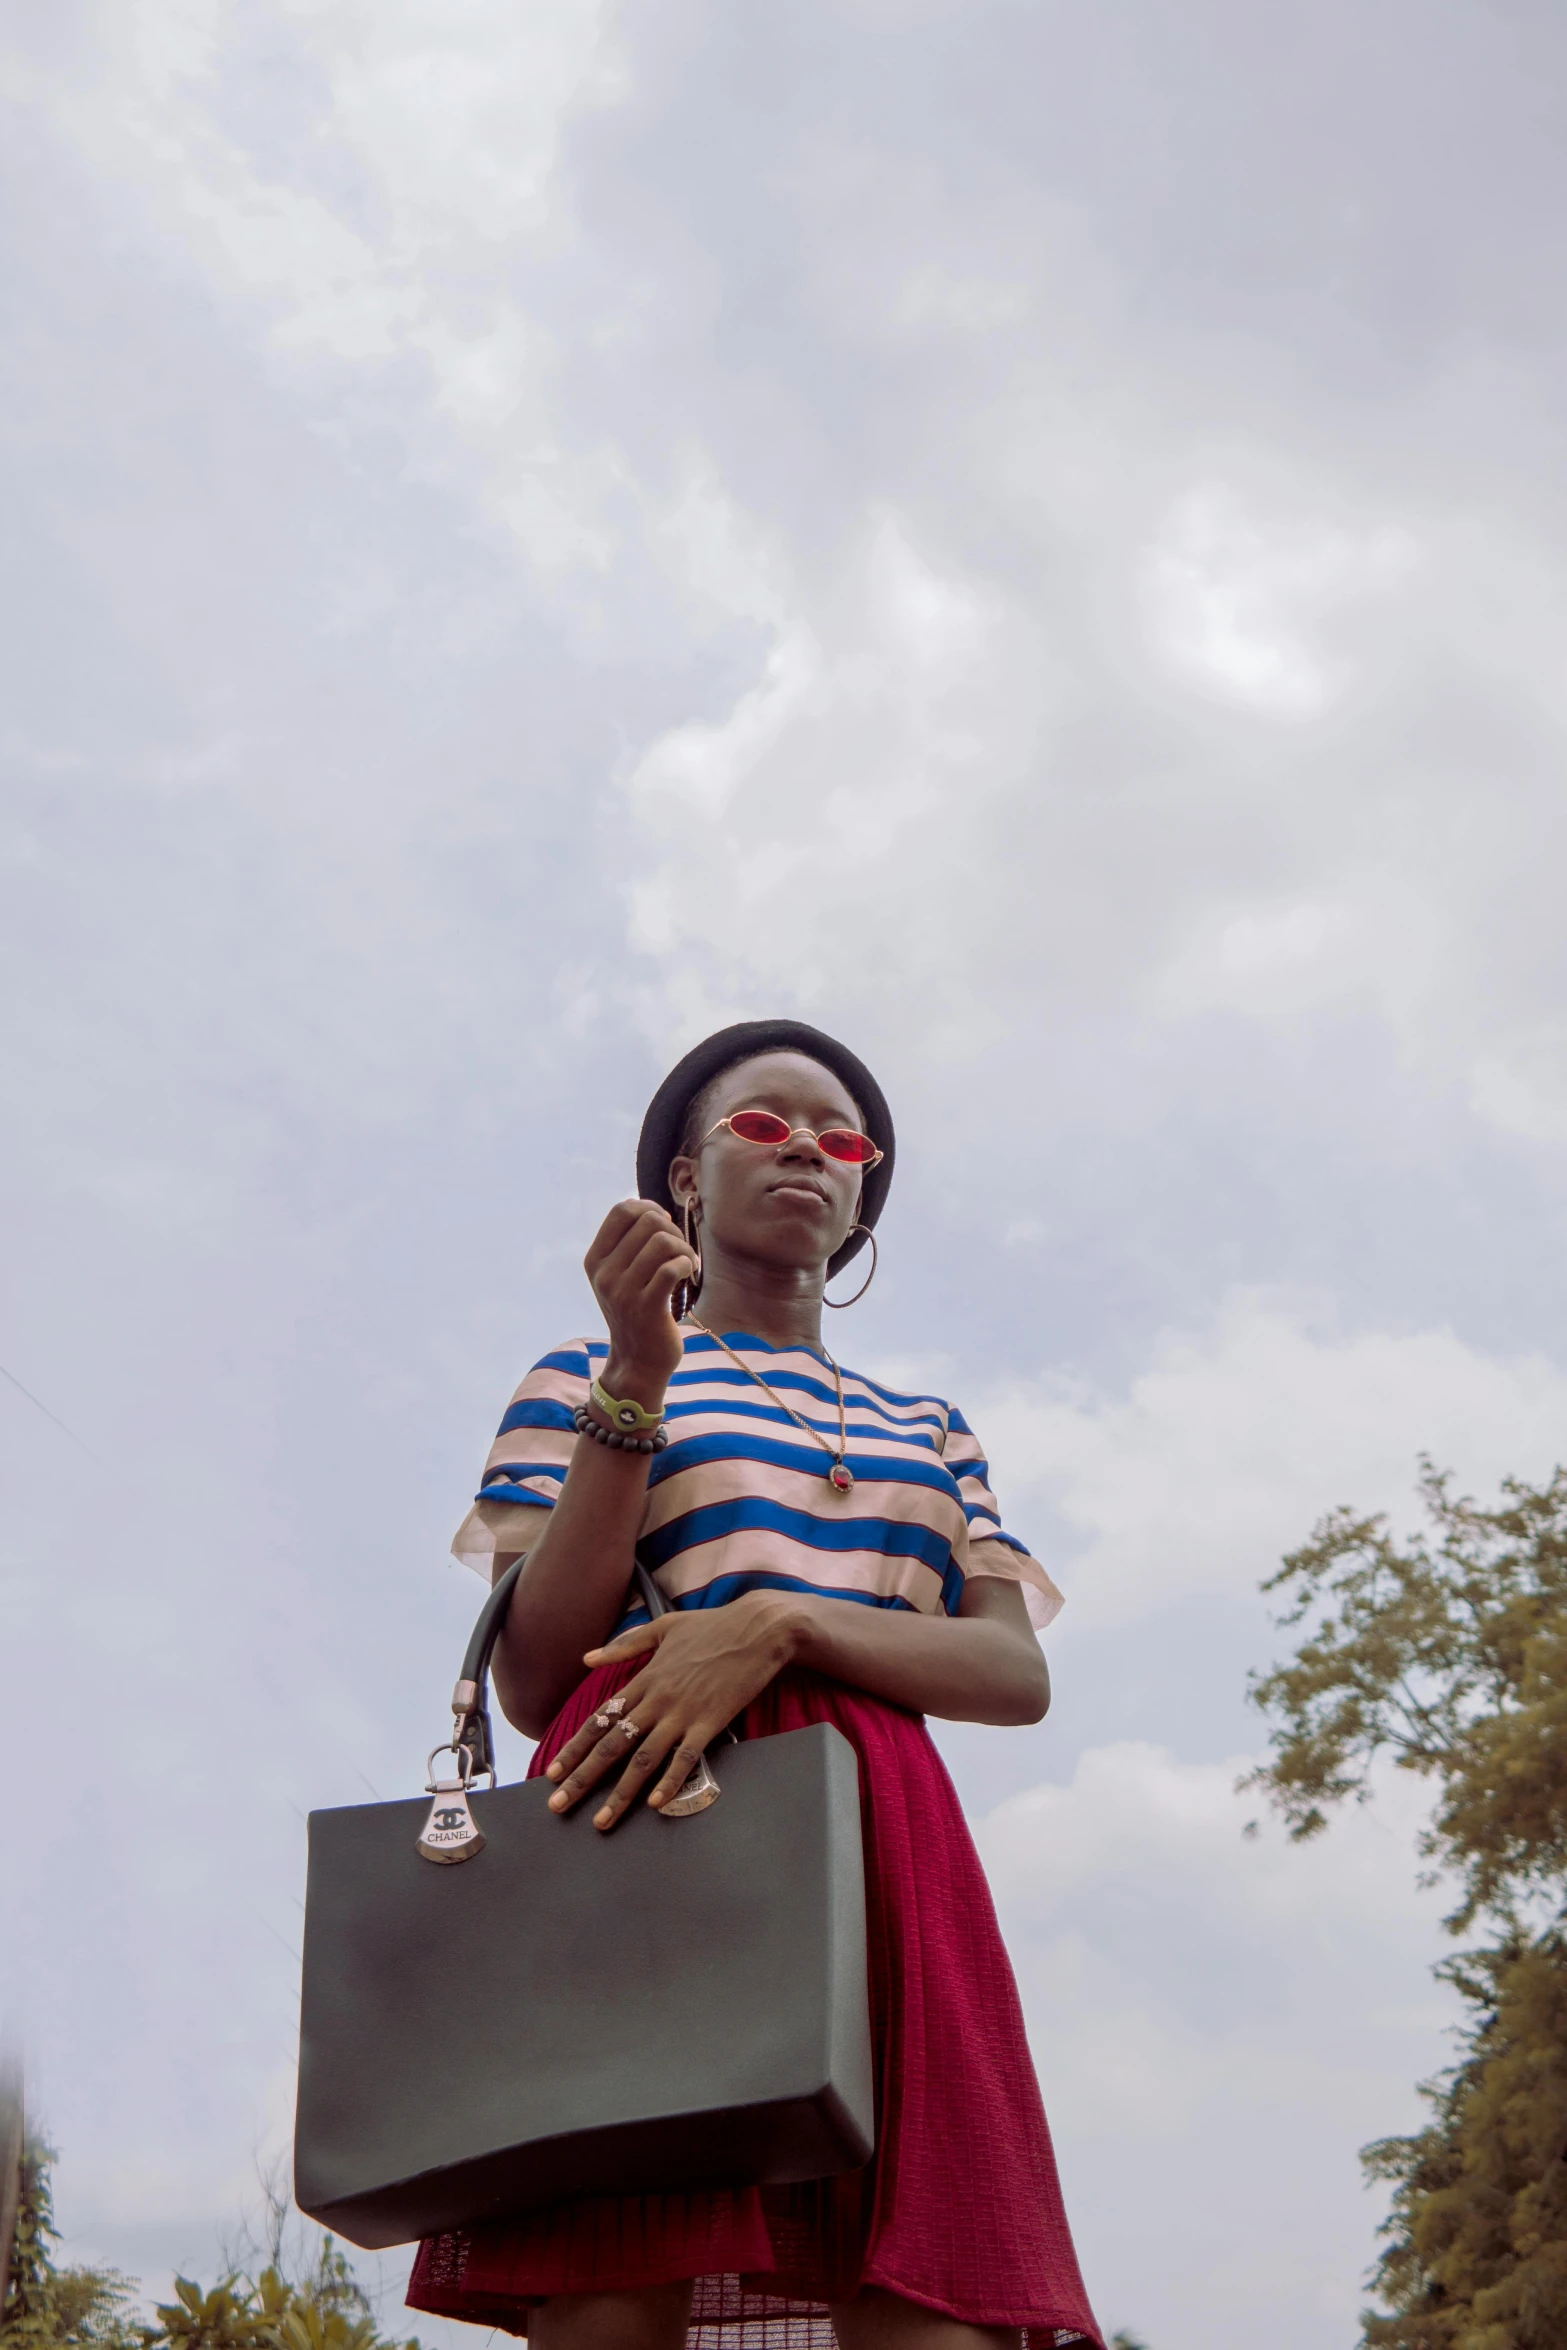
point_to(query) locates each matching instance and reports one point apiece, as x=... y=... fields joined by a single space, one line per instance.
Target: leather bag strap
x=471 y=1697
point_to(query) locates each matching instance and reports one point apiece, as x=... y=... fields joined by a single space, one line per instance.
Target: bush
x=322 y=2307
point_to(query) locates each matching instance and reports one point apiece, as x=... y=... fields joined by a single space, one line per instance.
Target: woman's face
x=787 y=1204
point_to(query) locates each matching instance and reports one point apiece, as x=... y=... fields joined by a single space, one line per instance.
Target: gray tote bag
x=556 y=2012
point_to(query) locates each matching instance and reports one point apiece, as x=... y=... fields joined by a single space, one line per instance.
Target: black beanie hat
x=663 y=1129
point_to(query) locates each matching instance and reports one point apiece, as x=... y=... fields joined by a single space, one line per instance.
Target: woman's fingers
x=625 y=1217
x=701 y=1669
x=588 y=1740
x=606 y=1753
x=661 y=1261
x=596 y=1729
x=663 y=1752
x=632 y=1781
x=642 y=1261
x=635 y=1265
x=625 y=1231
x=688 y=1750
x=678 y=1770
x=641 y=1640
x=609 y=1754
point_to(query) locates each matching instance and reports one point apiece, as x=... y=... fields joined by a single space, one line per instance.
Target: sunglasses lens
x=841 y=1142
x=759 y=1126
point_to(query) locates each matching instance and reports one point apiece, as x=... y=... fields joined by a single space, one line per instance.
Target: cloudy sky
x=1035 y=537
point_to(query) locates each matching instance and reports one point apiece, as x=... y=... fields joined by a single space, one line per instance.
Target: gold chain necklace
x=840 y=1476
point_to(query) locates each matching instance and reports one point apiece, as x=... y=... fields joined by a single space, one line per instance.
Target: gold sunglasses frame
x=863 y=1166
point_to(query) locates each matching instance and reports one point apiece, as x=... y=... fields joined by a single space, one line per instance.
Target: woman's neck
x=785 y=1310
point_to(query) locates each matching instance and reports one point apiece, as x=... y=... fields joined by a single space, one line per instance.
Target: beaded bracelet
x=585 y=1425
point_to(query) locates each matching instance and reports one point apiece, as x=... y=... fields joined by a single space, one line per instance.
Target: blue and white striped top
x=740 y=1499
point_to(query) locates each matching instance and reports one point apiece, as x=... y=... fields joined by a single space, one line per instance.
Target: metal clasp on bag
x=696 y=1794
x=699 y=1790
x=450 y=1834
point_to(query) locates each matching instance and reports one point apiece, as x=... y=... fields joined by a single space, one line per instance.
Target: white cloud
x=1001 y=755
x=1374 y=938
x=1520 y=1085
x=1219 y=2024
x=424 y=158
x=1224 y=1451
x=936 y=789
x=536 y=531
x=458 y=107
x=692 y=774
x=1236 y=605
x=824 y=820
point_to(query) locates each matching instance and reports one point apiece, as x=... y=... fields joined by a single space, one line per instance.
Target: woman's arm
x=573 y=1589
x=704 y=1668
x=572 y=1592
x=985 y=1666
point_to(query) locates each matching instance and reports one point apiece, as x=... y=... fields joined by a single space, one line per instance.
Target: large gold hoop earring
x=838 y=1303
x=688 y=1289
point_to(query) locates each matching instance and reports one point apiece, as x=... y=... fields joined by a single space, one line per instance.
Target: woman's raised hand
x=702 y=1670
x=635 y=1264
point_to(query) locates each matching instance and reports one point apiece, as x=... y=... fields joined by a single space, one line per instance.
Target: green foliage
x=326 y=2310
x=46 y=2305
x=1448 y=1654
x=228 y=2317
x=323 y=2307
x=1477 y=2258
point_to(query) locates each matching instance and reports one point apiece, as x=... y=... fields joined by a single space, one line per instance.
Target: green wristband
x=625 y=1414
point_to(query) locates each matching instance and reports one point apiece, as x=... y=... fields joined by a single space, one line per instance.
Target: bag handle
x=471 y=1735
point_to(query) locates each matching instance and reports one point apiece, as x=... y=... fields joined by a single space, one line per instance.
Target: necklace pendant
x=841 y=1477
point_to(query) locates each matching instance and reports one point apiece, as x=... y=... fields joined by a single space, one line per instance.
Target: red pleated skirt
x=959 y=2209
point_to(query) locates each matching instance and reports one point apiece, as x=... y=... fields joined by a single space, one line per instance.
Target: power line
x=47 y=1413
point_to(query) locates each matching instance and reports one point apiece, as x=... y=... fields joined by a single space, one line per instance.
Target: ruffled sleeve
x=992 y=1551
x=528 y=1461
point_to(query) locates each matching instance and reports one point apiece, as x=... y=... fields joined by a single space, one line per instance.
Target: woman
x=832 y=1552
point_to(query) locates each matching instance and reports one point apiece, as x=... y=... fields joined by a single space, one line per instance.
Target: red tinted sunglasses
x=844 y=1143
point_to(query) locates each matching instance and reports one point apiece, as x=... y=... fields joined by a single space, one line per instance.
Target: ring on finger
x=612 y=1709
x=632 y=1730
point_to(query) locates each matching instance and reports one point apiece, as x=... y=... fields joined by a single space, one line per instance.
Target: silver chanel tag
x=450 y=1833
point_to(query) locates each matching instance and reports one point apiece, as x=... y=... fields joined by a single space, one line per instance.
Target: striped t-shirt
x=739 y=1500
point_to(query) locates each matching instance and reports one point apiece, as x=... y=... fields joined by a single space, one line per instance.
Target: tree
x=327 y=2309
x=13 y=2139
x=1478 y=2230
x=45 y=2305
x=1448 y=1655
x=322 y=2306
